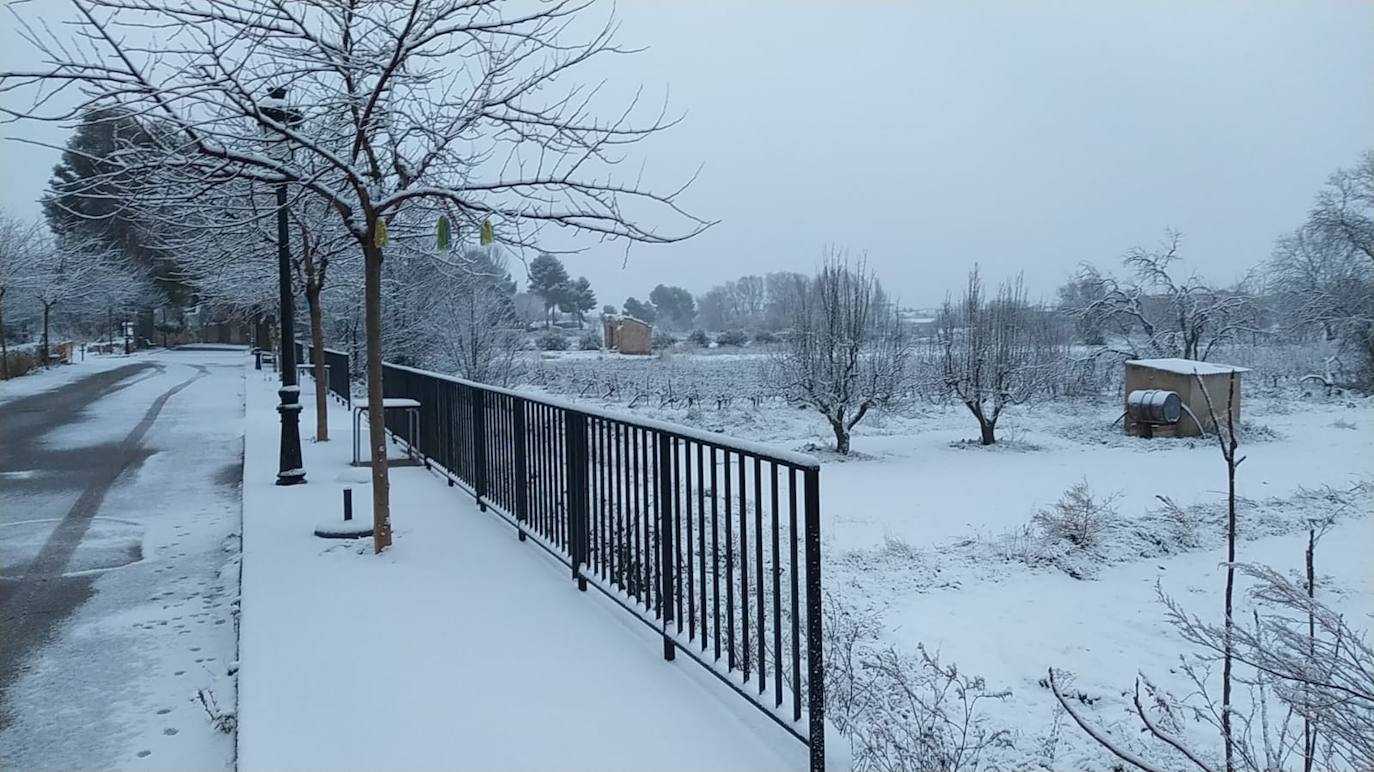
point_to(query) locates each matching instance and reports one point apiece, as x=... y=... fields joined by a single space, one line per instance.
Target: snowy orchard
x=931 y=542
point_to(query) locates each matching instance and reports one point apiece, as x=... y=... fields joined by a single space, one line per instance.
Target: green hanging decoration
x=488 y=236
x=443 y=235
x=379 y=238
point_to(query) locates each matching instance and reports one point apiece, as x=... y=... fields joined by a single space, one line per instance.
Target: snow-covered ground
x=458 y=647
x=119 y=683
x=934 y=535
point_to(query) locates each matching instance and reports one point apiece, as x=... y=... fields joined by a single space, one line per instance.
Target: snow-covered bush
x=699 y=338
x=1079 y=517
x=732 y=338
x=551 y=341
x=589 y=341
x=19 y=361
x=902 y=711
x=1182 y=524
x=765 y=337
x=663 y=340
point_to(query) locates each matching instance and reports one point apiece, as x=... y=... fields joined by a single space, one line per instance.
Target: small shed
x=1182 y=377
x=627 y=334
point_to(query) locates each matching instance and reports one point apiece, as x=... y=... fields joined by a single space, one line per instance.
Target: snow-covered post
x=479 y=447
x=815 y=657
x=522 y=475
x=663 y=473
x=579 y=492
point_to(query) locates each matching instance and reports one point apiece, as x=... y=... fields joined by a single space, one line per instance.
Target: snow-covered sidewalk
x=459 y=647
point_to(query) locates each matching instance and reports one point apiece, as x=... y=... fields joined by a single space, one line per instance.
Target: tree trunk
x=841 y=437
x=1229 y=453
x=312 y=299
x=46 y=308
x=1309 y=728
x=988 y=431
x=376 y=420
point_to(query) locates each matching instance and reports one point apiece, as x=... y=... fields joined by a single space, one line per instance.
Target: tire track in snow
x=43 y=594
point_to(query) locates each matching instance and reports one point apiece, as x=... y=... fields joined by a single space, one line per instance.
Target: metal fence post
x=522 y=476
x=578 y=493
x=815 y=662
x=663 y=473
x=479 y=448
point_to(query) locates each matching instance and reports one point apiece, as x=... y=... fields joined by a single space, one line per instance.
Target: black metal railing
x=712 y=541
x=340 y=380
x=338 y=373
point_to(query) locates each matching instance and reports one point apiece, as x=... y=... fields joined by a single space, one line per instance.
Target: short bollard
x=257 y=359
x=349 y=528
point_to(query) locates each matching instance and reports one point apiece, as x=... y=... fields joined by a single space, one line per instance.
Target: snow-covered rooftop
x=1187 y=366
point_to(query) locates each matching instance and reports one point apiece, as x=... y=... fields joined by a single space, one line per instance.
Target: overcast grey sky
x=1023 y=136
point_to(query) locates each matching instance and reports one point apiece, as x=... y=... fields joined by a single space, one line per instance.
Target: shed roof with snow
x=1187 y=366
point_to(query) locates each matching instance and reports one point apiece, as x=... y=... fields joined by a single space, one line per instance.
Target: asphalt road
x=62 y=454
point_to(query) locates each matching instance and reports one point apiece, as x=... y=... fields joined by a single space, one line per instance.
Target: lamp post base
x=290 y=468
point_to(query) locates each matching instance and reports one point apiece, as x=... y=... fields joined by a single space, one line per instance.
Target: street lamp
x=290 y=469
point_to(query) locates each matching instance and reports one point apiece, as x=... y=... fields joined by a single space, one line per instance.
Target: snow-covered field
x=930 y=539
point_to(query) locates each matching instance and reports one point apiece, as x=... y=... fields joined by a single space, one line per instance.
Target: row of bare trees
x=1317 y=285
x=847 y=349
x=66 y=282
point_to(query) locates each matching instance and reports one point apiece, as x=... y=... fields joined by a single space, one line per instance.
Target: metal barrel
x=1154 y=406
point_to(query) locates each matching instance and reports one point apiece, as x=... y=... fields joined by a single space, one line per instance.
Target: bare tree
x=444 y=106
x=994 y=353
x=18 y=242
x=320 y=243
x=1157 y=313
x=844 y=355
x=469 y=315
x=65 y=272
x=1321 y=666
x=1345 y=207
x=1323 y=273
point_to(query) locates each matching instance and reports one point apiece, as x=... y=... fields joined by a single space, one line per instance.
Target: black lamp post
x=290 y=469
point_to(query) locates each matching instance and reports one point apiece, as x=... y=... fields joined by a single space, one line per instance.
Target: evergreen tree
x=645 y=312
x=675 y=304
x=581 y=299
x=87 y=201
x=549 y=280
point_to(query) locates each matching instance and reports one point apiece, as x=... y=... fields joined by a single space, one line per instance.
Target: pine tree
x=549 y=280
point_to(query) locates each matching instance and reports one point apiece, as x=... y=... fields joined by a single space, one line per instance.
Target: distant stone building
x=627 y=334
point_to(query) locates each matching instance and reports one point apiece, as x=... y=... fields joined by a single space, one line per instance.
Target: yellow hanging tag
x=488 y=236
x=443 y=235
x=379 y=237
